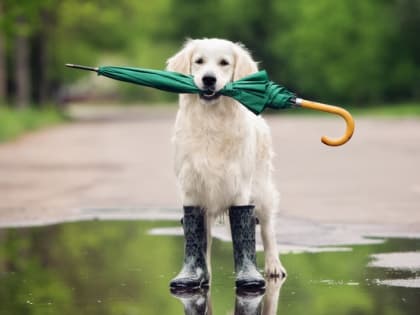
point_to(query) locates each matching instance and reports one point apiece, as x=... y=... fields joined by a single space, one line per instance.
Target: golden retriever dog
x=222 y=151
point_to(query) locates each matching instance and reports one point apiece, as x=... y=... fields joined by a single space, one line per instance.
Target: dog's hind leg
x=266 y=217
x=209 y=219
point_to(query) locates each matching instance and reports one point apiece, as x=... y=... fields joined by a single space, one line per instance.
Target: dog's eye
x=199 y=61
x=224 y=62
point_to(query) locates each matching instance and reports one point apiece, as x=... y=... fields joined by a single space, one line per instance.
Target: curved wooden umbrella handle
x=333 y=110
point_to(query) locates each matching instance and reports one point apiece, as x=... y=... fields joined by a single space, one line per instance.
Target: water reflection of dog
x=197 y=302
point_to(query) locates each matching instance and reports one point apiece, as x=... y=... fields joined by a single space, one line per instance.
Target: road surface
x=119 y=161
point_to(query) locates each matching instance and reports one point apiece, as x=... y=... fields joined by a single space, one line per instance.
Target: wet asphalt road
x=121 y=159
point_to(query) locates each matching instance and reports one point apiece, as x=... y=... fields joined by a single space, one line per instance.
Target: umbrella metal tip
x=71 y=65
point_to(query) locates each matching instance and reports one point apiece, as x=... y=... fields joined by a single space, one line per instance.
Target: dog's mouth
x=209 y=94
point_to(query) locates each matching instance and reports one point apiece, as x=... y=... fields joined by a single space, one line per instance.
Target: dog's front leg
x=242 y=224
x=194 y=273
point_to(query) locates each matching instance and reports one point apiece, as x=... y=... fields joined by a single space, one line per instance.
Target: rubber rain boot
x=242 y=224
x=194 y=273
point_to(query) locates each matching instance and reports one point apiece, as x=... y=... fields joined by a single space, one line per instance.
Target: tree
x=3 y=70
x=22 y=69
x=338 y=51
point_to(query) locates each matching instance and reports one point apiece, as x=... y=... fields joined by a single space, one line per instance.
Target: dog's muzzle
x=209 y=88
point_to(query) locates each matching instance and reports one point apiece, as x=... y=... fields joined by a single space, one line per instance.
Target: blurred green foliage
x=398 y=110
x=352 y=52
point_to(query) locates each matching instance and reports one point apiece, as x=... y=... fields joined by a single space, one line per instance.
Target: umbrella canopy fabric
x=159 y=79
x=256 y=91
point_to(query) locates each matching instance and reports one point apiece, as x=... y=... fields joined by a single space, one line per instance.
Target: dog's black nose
x=209 y=80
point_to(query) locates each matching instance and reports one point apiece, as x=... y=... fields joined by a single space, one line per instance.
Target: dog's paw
x=274 y=268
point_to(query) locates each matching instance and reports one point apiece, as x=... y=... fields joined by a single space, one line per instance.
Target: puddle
x=119 y=267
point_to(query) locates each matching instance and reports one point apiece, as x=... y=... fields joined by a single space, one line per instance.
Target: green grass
x=397 y=110
x=392 y=110
x=14 y=123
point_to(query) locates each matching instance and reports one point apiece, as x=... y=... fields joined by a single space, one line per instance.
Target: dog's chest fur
x=214 y=150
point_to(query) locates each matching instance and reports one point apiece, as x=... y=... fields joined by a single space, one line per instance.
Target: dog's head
x=213 y=63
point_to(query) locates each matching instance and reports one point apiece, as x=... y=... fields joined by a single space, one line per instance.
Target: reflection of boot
x=242 y=224
x=195 y=302
x=248 y=304
x=194 y=273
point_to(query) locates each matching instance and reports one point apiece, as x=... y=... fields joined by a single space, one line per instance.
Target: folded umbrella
x=256 y=91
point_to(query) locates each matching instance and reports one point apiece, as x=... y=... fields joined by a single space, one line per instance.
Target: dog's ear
x=181 y=61
x=244 y=64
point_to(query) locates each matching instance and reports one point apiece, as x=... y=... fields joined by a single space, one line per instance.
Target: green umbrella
x=256 y=91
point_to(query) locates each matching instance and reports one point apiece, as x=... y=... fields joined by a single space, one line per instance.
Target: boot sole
x=192 y=285
x=187 y=292
x=250 y=285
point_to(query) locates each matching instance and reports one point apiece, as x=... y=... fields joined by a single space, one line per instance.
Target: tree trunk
x=3 y=70
x=40 y=52
x=40 y=68
x=22 y=72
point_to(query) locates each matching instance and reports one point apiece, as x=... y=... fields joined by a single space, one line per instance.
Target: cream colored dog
x=223 y=151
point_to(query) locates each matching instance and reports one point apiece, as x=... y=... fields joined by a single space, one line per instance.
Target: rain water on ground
x=120 y=267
